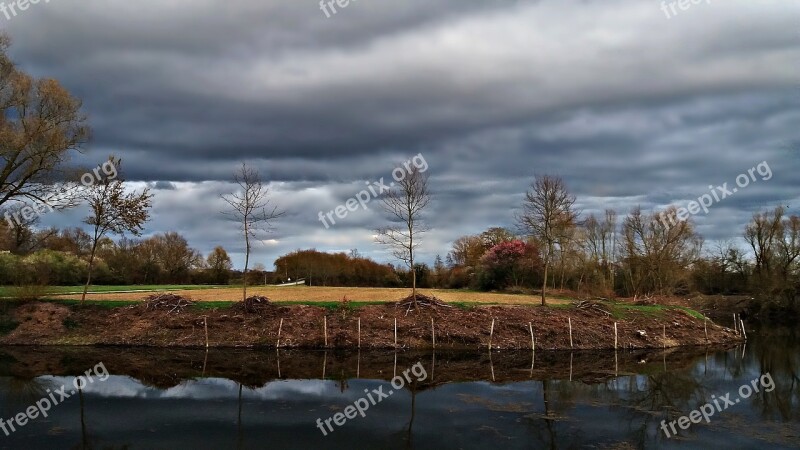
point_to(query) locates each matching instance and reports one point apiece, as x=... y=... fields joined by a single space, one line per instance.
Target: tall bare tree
x=252 y=208
x=762 y=234
x=113 y=210
x=599 y=241
x=405 y=204
x=41 y=126
x=657 y=256
x=547 y=212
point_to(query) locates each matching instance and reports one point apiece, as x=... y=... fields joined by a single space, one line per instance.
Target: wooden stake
x=205 y=326
x=280 y=326
x=533 y=341
x=395 y=332
x=433 y=333
x=665 y=336
x=705 y=327
x=741 y=322
x=569 y=320
x=491 y=334
x=616 y=336
x=359 y=332
x=325 y=328
x=735 y=324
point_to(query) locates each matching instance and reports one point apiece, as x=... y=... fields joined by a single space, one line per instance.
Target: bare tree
x=599 y=241
x=113 y=210
x=41 y=126
x=761 y=234
x=657 y=256
x=546 y=215
x=252 y=208
x=404 y=204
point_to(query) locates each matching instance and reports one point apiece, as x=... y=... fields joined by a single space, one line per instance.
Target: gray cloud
x=629 y=107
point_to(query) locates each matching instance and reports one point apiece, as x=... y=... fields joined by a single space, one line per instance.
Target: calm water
x=264 y=399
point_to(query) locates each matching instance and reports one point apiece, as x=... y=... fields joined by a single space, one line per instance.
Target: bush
x=28 y=292
x=9 y=268
x=54 y=268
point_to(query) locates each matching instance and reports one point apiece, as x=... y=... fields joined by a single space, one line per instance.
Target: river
x=253 y=399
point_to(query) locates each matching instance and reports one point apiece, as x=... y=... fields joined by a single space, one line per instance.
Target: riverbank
x=354 y=325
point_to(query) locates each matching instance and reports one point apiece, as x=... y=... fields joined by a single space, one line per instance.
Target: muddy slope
x=43 y=323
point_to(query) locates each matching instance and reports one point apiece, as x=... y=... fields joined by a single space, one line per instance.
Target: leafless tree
x=251 y=206
x=547 y=212
x=762 y=234
x=41 y=126
x=656 y=255
x=113 y=210
x=599 y=244
x=405 y=204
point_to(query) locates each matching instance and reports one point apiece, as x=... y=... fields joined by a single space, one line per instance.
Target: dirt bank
x=48 y=323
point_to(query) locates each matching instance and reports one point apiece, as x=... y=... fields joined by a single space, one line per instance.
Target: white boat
x=292 y=283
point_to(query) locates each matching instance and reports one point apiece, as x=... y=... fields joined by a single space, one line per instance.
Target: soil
x=312 y=327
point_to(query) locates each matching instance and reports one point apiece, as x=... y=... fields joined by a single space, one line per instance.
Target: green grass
x=690 y=311
x=8 y=291
x=108 y=304
x=557 y=305
x=213 y=305
x=327 y=305
x=621 y=310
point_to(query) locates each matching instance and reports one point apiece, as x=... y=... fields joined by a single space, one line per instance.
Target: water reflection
x=266 y=399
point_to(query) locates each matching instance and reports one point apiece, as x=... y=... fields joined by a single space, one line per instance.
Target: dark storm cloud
x=631 y=108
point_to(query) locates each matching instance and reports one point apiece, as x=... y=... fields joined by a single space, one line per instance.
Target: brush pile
x=171 y=303
x=593 y=306
x=421 y=301
x=254 y=304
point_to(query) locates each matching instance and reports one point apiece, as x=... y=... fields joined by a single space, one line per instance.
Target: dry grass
x=328 y=294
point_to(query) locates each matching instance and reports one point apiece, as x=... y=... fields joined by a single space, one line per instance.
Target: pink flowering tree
x=507 y=263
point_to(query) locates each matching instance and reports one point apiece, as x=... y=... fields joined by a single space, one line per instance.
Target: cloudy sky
x=629 y=106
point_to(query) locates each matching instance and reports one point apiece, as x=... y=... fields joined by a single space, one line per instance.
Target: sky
x=630 y=103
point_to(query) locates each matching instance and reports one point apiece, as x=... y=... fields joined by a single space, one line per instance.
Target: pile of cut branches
x=593 y=306
x=171 y=303
x=421 y=301
x=254 y=304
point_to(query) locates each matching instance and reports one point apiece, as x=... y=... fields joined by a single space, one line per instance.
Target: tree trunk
x=411 y=260
x=91 y=269
x=544 y=283
x=246 y=262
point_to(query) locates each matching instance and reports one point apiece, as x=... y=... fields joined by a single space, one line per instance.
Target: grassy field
x=299 y=294
x=7 y=291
